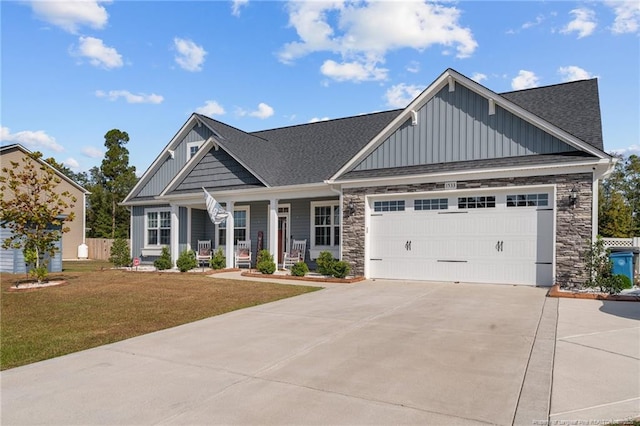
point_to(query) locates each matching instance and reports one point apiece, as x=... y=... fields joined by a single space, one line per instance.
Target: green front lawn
x=100 y=305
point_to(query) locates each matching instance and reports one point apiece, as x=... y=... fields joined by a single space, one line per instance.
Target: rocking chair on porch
x=296 y=254
x=243 y=254
x=203 y=255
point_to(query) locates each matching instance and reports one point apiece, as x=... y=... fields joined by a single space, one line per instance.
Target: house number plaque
x=450 y=185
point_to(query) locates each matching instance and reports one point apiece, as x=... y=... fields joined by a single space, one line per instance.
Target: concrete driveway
x=384 y=352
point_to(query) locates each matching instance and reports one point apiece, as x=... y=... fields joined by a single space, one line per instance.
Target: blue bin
x=623 y=263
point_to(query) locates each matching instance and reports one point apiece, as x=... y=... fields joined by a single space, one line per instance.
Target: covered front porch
x=269 y=224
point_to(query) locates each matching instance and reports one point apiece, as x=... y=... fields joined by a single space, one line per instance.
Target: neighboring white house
x=464 y=184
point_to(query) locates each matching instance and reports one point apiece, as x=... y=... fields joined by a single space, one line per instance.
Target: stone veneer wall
x=573 y=223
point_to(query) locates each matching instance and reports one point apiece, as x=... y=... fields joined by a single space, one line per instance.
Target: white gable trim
x=171 y=146
x=590 y=166
x=450 y=77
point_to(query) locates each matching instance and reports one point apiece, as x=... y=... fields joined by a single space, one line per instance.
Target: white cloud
x=352 y=30
x=210 y=108
x=263 y=111
x=627 y=16
x=72 y=163
x=524 y=80
x=354 y=71
x=236 y=5
x=400 y=95
x=92 y=152
x=584 y=23
x=190 y=56
x=631 y=149
x=530 y=24
x=317 y=119
x=478 y=77
x=414 y=67
x=34 y=140
x=140 y=98
x=98 y=54
x=573 y=73
x=70 y=15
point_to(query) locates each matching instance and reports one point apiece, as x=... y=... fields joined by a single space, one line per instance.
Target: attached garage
x=489 y=236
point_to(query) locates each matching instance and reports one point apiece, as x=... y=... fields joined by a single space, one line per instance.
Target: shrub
x=600 y=269
x=625 y=281
x=265 y=262
x=164 y=261
x=218 y=261
x=186 y=261
x=324 y=263
x=300 y=269
x=119 y=254
x=341 y=269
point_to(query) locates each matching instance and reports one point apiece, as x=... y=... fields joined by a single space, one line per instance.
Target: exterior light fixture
x=351 y=208
x=573 y=197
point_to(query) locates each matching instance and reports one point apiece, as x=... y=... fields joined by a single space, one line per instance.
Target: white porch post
x=273 y=229
x=175 y=234
x=230 y=252
x=190 y=247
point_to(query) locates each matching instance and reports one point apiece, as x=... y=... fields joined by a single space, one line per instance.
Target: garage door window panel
x=389 y=206
x=431 y=204
x=482 y=202
x=528 y=200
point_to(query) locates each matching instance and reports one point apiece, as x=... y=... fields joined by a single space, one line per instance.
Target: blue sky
x=71 y=71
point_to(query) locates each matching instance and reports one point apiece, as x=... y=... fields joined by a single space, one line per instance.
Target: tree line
x=108 y=185
x=619 y=200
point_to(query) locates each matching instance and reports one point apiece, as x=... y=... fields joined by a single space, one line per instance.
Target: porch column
x=175 y=234
x=189 y=245
x=273 y=229
x=230 y=254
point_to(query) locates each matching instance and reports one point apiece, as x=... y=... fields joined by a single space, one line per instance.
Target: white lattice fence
x=630 y=243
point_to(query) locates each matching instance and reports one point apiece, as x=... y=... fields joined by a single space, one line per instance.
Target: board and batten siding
x=217 y=169
x=172 y=166
x=456 y=126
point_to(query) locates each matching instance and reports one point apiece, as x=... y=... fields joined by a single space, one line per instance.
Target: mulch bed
x=555 y=291
x=305 y=278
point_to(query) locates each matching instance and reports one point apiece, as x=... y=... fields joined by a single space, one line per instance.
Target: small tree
x=34 y=210
x=218 y=261
x=265 y=262
x=164 y=261
x=119 y=254
x=186 y=261
x=600 y=269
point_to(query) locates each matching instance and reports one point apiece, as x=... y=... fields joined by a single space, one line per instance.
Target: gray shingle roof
x=311 y=153
x=306 y=153
x=559 y=104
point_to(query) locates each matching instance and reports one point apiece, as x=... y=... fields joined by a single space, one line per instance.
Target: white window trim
x=248 y=227
x=314 y=249
x=192 y=144
x=153 y=247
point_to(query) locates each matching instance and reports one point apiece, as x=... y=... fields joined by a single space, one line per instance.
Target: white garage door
x=490 y=237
